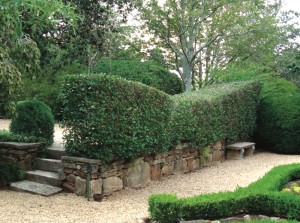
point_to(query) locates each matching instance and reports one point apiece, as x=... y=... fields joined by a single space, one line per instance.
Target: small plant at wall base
x=34 y=118
x=9 y=172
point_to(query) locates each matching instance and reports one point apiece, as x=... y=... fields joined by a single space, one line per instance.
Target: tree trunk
x=187 y=74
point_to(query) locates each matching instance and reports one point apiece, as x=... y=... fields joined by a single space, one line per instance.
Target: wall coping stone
x=21 y=145
x=79 y=159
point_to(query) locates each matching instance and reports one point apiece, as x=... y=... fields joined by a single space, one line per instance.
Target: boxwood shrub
x=260 y=197
x=34 y=118
x=111 y=118
x=147 y=73
x=226 y=111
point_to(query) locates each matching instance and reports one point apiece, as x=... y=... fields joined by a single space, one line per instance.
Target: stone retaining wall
x=22 y=154
x=137 y=173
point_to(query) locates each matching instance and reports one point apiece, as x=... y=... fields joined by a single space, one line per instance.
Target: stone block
x=155 y=172
x=96 y=187
x=68 y=170
x=218 y=155
x=138 y=175
x=80 y=186
x=112 y=184
x=69 y=165
x=218 y=146
x=177 y=165
x=79 y=173
x=71 y=178
x=69 y=187
x=166 y=170
x=61 y=174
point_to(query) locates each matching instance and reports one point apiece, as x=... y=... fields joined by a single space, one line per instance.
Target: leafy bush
x=9 y=172
x=34 y=118
x=278 y=126
x=260 y=197
x=145 y=72
x=108 y=117
x=6 y=136
x=215 y=113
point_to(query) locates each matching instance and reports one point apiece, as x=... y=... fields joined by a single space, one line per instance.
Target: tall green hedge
x=261 y=197
x=278 y=126
x=278 y=122
x=226 y=111
x=110 y=118
x=147 y=73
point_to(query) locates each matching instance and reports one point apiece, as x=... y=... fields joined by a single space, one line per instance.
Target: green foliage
x=214 y=113
x=24 y=24
x=278 y=126
x=260 y=197
x=145 y=72
x=34 y=118
x=47 y=88
x=110 y=118
x=278 y=121
x=6 y=136
x=9 y=172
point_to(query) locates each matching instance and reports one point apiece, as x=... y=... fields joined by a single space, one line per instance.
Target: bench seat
x=238 y=150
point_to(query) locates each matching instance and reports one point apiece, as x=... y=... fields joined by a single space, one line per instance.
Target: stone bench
x=237 y=151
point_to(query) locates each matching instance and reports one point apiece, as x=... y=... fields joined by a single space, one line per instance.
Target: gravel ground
x=129 y=206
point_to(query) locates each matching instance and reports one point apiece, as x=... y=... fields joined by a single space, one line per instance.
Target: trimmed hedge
x=278 y=126
x=219 y=112
x=110 y=118
x=145 y=72
x=260 y=197
x=6 y=136
x=278 y=122
x=34 y=118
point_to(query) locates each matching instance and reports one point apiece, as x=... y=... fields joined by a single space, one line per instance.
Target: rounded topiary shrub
x=278 y=126
x=147 y=73
x=34 y=118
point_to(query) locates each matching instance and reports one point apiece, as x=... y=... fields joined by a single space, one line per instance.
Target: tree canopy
x=205 y=35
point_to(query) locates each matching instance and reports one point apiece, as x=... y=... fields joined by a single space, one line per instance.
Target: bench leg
x=235 y=154
x=249 y=151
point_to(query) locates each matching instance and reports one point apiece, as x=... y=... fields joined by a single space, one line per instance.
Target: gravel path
x=129 y=206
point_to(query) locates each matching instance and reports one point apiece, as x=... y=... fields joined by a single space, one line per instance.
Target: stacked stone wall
x=22 y=154
x=106 y=179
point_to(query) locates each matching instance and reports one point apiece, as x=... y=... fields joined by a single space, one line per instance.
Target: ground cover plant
x=6 y=136
x=261 y=197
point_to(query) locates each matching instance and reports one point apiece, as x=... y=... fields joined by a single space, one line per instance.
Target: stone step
x=48 y=164
x=56 y=152
x=35 y=188
x=44 y=177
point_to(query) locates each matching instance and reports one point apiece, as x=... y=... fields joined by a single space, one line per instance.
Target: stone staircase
x=45 y=179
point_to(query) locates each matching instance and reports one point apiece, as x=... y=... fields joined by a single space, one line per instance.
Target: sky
x=292 y=4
